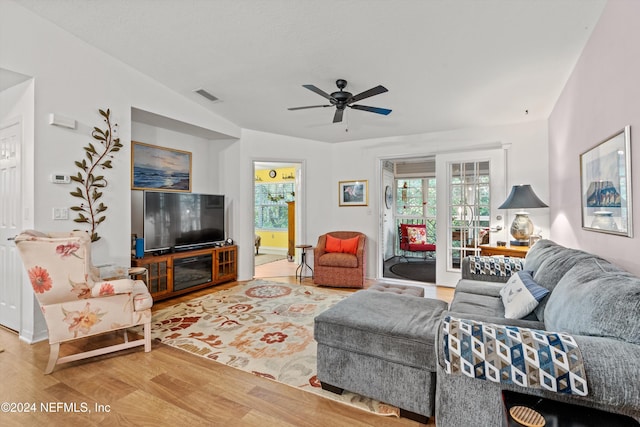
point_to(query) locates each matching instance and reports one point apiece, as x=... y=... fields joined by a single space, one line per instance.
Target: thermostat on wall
x=60 y=179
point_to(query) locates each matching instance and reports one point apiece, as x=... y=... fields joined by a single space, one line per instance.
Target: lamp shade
x=522 y=197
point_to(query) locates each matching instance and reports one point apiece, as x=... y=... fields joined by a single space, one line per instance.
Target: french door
x=471 y=186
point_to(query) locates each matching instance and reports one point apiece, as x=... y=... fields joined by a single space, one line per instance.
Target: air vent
x=206 y=94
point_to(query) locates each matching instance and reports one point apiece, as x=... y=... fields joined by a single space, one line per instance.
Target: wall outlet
x=60 y=213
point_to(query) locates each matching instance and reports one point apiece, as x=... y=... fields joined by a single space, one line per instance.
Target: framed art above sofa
x=605 y=179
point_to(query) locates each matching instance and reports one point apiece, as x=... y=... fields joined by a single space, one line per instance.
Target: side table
x=512 y=251
x=560 y=414
x=134 y=272
x=303 y=262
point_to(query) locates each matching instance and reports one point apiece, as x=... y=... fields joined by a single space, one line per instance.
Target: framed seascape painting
x=605 y=179
x=353 y=193
x=159 y=168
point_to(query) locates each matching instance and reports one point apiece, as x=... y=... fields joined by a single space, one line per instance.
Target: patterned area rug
x=261 y=327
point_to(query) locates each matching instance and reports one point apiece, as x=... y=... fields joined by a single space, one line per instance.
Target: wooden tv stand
x=167 y=272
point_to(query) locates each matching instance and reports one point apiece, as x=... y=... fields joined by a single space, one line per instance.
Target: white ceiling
x=448 y=64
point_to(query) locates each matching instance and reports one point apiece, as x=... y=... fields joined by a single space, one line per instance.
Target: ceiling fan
x=343 y=99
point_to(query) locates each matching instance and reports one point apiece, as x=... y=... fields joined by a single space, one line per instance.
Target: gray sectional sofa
x=401 y=349
x=590 y=299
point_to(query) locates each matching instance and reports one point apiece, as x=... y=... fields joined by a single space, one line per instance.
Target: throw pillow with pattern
x=521 y=294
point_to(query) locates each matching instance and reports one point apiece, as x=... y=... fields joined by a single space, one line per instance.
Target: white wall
x=527 y=161
x=75 y=80
x=237 y=166
x=601 y=97
x=324 y=165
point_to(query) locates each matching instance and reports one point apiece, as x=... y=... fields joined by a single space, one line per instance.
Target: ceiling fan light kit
x=342 y=99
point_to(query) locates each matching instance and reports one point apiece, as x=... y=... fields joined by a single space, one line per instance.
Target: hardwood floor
x=164 y=387
x=281 y=268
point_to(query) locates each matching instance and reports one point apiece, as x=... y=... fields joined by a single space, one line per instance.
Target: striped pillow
x=521 y=294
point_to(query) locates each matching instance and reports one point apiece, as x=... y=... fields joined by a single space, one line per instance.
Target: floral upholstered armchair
x=74 y=301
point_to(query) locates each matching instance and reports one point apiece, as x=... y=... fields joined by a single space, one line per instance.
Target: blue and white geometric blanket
x=510 y=355
x=495 y=265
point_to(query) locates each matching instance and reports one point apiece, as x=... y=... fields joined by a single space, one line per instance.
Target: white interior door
x=10 y=224
x=388 y=223
x=471 y=186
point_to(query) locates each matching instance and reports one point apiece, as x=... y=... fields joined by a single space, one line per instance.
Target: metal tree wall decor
x=92 y=182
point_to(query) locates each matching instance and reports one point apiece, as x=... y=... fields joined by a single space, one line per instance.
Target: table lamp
x=522 y=197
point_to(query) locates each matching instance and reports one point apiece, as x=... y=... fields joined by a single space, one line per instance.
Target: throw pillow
x=350 y=246
x=333 y=244
x=520 y=295
x=417 y=235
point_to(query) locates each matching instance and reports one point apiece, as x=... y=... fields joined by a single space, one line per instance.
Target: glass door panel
x=475 y=185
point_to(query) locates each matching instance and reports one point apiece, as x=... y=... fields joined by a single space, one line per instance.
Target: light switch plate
x=60 y=213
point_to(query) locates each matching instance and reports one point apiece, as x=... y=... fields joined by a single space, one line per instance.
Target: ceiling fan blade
x=371 y=109
x=320 y=92
x=309 y=106
x=367 y=93
x=337 y=118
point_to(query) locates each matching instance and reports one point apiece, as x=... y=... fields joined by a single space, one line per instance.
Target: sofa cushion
x=559 y=260
x=521 y=295
x=477 y=304
x=396 y=328
x=479 y=287
x=539 y=252
x=337 y=259
x=416 y=291
x=596 y=299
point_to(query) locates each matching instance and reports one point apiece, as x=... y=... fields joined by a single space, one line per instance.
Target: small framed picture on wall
x=353 y=193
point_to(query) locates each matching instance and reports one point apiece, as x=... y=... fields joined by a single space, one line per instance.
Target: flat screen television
x=182 y=221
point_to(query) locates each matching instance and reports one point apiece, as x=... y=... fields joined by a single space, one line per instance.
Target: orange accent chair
x=336 y=268
x=74 y=300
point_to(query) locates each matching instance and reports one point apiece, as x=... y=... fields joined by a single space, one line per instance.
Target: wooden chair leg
x=54 y=350
x=147 y=337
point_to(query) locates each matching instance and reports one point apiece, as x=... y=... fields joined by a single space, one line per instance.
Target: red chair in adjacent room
x=413 y=238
